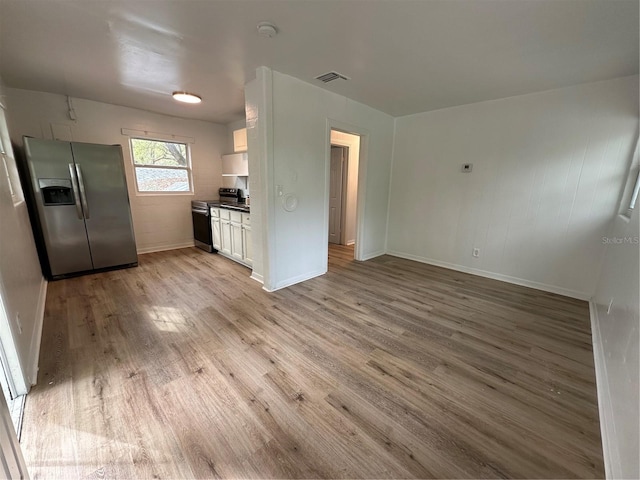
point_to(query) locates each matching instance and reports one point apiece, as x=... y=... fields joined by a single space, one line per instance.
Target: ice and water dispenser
x=56 y=191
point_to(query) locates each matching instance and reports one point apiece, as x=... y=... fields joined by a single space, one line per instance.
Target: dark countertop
x=239 y=207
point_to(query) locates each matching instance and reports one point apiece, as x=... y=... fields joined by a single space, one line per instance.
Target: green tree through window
x=153 y=152
x=161 y=166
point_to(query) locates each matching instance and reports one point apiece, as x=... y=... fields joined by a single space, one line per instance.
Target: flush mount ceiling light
x=186 y=97
x=266 y=29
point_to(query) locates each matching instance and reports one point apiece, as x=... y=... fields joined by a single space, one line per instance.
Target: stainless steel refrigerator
x=80 y=206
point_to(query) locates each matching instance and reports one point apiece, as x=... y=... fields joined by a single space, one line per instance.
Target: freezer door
x=59 y=210
x=105 y=202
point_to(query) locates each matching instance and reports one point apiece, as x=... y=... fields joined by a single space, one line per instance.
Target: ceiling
x=402 y=56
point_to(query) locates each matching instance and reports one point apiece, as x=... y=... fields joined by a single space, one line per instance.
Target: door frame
x=9 y=356
x=343 y=189
x=364 y=135
x=12 y=464
x=345 y=194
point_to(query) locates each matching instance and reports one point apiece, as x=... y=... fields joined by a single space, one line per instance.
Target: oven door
x=202 y=229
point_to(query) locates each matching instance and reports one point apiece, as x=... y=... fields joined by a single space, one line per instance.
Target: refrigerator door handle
x=83 y=193
x=75 y=188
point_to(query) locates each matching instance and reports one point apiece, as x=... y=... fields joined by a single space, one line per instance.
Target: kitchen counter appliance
x=201 y=225
x=79 y=206
x=231 y=198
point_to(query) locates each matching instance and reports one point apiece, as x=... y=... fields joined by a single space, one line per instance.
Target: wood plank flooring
x=185 y=368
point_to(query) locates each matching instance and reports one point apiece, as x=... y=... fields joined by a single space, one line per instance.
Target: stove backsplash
x=237 y=182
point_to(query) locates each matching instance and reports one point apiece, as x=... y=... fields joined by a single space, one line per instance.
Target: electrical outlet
x=476 y=252
x=19 y=323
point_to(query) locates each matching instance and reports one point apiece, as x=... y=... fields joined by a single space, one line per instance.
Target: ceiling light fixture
x=186 y=97
x=266 y=29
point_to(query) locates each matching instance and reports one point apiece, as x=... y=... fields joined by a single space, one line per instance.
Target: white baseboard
x=297 y=279
x=605 y=407
x=233 y=259
x=495 y=276
x=257 y=277
x=36 y=338
x=369 y=256
x=162 y=248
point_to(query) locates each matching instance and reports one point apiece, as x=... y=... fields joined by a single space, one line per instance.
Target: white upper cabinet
x=240 y=140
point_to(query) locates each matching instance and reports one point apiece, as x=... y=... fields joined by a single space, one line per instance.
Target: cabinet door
x=215 y=230
x=247 y=245
x=236 y=241
x=240 y=140
x=225 y=236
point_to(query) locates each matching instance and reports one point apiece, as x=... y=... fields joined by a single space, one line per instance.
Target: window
x=161 y=167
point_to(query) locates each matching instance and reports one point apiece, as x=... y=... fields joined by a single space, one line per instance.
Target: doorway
x=338 y=175
x=343 y=188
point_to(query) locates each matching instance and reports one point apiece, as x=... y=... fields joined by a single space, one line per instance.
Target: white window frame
x=632 y=188
x=188 y=168
x=8 y=161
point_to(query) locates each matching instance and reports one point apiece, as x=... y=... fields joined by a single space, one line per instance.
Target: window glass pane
x=162 y=180
x=155 y=152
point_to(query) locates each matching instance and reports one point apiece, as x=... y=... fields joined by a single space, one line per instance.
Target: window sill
x=163 y=194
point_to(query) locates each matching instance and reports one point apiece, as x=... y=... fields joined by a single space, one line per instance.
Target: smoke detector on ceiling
x=331 y=76
x=268 y=30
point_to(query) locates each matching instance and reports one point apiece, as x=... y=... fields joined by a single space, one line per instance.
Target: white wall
x=258 y=123
x=296 y=156
x=351 y=193
x=616 y=339
x=160 y=221
x=547 y=173
x=22 y=287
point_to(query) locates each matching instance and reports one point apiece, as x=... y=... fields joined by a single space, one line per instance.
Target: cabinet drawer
x=236 y=217
x=246 y=219
x=225 y=214
x=215 y=212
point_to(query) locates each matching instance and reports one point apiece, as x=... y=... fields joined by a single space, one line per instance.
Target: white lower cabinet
x=247 y=246
x=236 y=241
x=225 y=234
x=232 y=235
x=215 y=228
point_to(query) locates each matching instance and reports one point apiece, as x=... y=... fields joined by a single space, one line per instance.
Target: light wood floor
x=184 y=367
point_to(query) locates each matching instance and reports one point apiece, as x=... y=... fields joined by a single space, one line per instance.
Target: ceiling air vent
x=330 y=77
